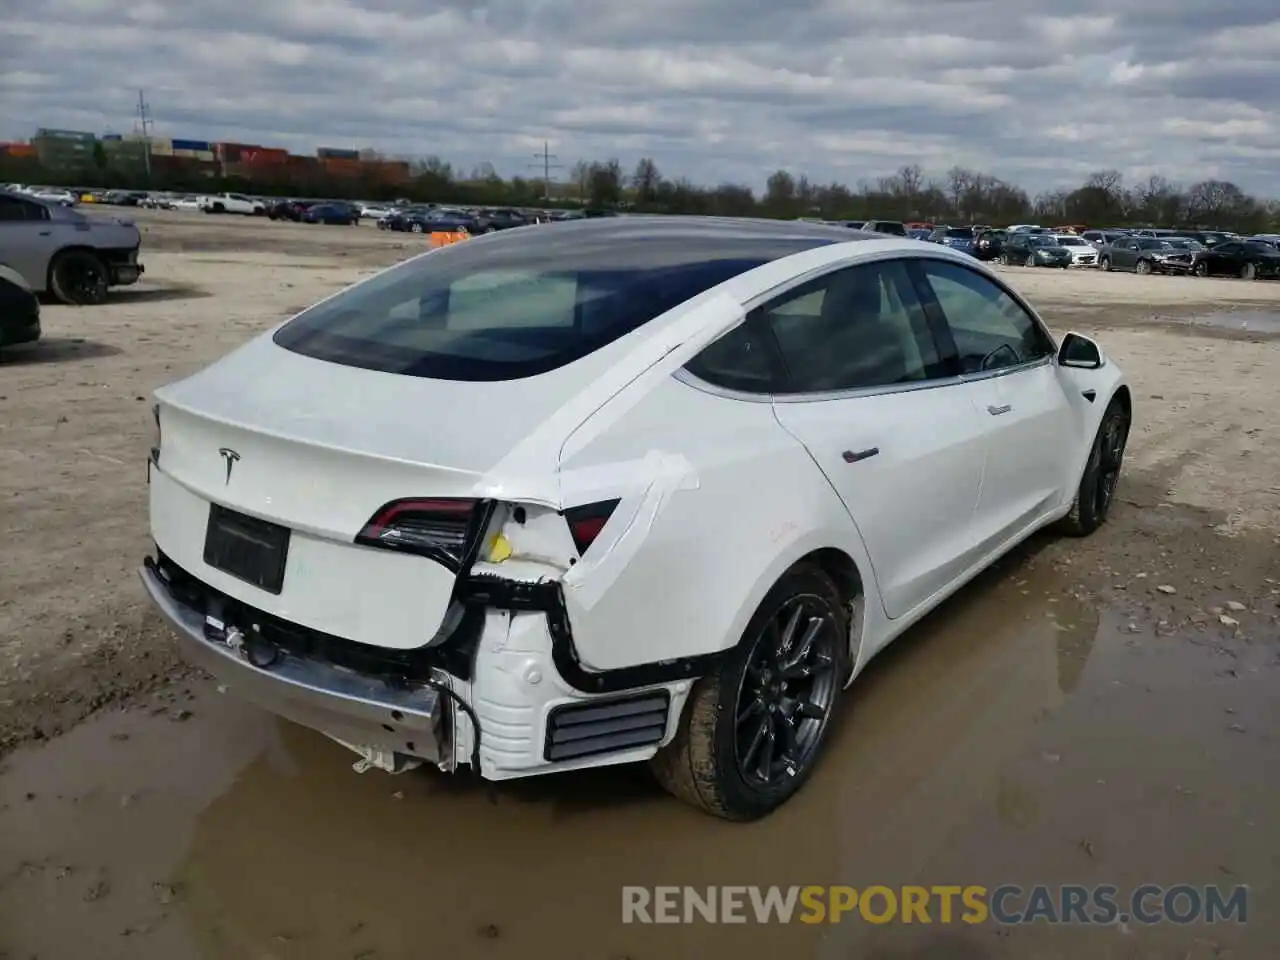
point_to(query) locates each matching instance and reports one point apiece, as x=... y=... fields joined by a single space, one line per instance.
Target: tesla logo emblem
x=229 y=457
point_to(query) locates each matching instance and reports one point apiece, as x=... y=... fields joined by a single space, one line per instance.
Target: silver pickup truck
x=61 y=251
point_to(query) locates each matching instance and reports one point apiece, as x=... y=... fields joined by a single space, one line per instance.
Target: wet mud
x=1060 y=721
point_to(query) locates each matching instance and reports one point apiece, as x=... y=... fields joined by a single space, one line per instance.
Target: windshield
x=1179 y=243
x=1072 y=242
x=1155 y=245
x=1043 y=241
x=494 y=311
x=960 y=233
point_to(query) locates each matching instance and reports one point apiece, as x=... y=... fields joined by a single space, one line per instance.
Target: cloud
x=716 y=90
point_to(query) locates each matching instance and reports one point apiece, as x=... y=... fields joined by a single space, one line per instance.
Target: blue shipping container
x=112 y=137
x=192 y=145
x=333 y=153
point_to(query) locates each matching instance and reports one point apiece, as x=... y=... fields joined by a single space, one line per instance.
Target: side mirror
x=1080 y=352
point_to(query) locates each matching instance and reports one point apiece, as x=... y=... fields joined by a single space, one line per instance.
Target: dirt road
x=1063 y=720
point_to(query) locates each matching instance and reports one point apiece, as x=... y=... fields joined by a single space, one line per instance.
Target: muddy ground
x=1101 y=711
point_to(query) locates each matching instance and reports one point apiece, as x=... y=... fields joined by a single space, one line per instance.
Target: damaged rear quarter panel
x=716 y=501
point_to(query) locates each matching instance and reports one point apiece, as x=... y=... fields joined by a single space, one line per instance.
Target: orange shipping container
x=25 y=150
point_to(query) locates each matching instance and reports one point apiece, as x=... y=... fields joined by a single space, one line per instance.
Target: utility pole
x=145 y=122
x=546 y=156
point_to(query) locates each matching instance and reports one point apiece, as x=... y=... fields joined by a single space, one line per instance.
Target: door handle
x=996 y=411
x=852 y=457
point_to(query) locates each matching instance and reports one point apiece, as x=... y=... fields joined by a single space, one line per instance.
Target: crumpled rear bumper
x=408 y=721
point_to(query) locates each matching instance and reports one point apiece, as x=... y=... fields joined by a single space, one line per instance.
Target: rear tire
x=1248 y=272
x=1143 y=267
x=1201 y=270
x=1105 y=264
x=1030 y=261
x=79 y=278
x=738 y=716
x=1004 y=260
x=1096 y=493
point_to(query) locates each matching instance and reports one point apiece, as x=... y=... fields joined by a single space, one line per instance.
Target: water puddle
x=1240 y=321
x=1019 y=736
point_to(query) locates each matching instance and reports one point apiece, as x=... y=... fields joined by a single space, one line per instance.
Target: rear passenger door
x=1008 y=360
x=884 y=415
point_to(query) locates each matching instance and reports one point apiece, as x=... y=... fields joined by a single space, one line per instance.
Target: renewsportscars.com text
x=1008 y=904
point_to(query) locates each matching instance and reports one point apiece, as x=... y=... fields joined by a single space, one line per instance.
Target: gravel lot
x=1166 y=733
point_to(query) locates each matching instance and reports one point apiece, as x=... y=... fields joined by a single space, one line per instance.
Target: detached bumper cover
x=349 y=707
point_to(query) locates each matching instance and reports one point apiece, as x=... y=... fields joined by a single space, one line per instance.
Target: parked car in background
x=474 y=511
x=331 y=212
x=1026 y=249
x=1247 y=259
x=376 y=211
x=1209 y=238
x=1102 y=238
x=56 y=195
x=433 y=220
x=233 y=203
x=289 y=209
x=19 y=307
x=190 y=203
x=892 y=228
x=503 y=218
x=61 y=251
x=988 y=243
x=1145 y=255
x=920 y=233
x=1083 y=253
x=957 y=238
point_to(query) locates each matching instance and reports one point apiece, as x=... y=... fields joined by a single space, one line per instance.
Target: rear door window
x=858 y=328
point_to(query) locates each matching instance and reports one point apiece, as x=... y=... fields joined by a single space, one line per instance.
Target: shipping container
x=18 y=150
x=337 y=153
x=231 y=152
x=197 y=145
x=265 y=155
x=160 y=148
x=112 y=137
x=194 y=154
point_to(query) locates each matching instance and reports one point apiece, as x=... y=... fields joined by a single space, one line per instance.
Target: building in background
x=65 y=149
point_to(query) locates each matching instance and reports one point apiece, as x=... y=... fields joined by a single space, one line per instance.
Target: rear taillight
x=586 y=522
x=441 y=528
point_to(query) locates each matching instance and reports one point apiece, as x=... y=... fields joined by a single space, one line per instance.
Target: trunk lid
x=319 y=447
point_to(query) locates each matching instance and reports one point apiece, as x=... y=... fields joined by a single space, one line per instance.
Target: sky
x=1039 y=93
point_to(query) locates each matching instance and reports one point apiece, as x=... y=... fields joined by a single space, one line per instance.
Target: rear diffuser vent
x=606 y=726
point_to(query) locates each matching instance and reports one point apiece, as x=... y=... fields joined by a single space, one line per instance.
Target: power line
x=546 y=156
x=145 y=122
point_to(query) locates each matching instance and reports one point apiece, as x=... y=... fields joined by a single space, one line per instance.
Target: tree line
x=959 y=196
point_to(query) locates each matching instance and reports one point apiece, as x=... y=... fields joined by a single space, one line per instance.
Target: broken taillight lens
x=586 y=522
x=441 y=528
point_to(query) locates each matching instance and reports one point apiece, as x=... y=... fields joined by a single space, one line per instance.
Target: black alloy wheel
x=1097 y=489
x=79 y=278
x=752 y=730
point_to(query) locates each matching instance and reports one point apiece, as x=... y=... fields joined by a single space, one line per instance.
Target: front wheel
x=1030 y=261
x=79 y=278
x=1201 y=270
x=1004 y=260
x=1143 y=267
x=1105 y=264
x=753 y=729
x=1248 y=272
x=1097 y=488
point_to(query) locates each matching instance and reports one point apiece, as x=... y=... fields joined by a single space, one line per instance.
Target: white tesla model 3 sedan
x=627 y=489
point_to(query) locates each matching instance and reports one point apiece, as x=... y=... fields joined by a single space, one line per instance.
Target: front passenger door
x=1008 y=355
x=886 y=419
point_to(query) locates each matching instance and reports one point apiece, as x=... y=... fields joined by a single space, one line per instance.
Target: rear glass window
x=511 y=306
x=960 y=233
